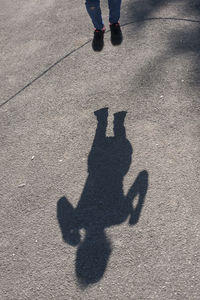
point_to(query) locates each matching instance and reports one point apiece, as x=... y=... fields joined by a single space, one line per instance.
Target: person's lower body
x=94 y=11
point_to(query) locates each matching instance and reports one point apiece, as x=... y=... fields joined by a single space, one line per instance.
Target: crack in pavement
x=73 y=51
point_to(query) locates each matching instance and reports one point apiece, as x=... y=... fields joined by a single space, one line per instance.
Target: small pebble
x=21 y=185
x=32 y=157
x=60 y=160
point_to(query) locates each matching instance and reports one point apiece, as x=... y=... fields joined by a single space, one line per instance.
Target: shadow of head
x=92 y=258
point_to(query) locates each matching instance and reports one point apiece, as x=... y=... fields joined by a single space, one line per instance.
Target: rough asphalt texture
x=47 y=130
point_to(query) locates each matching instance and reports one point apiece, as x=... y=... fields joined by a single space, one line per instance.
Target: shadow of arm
x=139 y=188
x=66 y=220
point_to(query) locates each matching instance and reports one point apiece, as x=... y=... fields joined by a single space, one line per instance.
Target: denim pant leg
x=94 y=11
x=114 y=7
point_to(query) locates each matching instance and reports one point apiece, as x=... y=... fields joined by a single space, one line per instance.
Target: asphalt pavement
x=100 y=152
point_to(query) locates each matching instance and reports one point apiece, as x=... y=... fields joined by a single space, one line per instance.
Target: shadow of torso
x=102 y=203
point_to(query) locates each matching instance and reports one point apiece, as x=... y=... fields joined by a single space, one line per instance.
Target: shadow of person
x=102 y=203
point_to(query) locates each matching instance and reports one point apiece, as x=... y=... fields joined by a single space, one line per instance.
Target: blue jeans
x=94 y=11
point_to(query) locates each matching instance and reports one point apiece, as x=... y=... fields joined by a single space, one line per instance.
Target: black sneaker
x=116 y=34
x=98 y=43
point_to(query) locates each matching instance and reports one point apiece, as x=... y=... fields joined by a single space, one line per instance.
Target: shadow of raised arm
x=139 y=188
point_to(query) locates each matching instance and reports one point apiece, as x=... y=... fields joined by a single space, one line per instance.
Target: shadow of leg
x=119 y=128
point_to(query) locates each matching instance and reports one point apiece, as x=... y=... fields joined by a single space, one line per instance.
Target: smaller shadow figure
x=102 y=203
